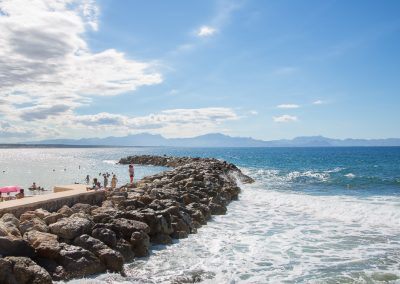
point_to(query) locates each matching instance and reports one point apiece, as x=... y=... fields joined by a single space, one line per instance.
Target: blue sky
x=265 y=69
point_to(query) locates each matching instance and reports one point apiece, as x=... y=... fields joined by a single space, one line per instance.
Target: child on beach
x=114 y=181
x=131 y=172
x=87 y=179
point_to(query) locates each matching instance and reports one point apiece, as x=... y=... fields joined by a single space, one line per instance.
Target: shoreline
x=85 y=239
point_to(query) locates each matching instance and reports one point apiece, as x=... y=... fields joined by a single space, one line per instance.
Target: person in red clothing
x=131 y=172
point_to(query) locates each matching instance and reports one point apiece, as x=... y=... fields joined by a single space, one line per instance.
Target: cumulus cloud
x=44 y=55
x=285 y=118
x=288 y=106
x=206 y=31
x=173 y=122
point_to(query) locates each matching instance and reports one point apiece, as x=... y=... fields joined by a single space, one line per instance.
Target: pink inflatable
x=7 y=189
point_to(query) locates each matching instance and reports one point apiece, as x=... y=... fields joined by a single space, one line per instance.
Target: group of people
x=35 y=187
x=97 y=184
x=19 y=195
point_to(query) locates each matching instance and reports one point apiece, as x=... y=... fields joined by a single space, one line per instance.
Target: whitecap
x=111 y=162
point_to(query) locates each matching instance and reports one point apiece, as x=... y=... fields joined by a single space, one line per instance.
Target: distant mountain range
x=217 y=140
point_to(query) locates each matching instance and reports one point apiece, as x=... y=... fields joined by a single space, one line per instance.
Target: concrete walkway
x=64 y=192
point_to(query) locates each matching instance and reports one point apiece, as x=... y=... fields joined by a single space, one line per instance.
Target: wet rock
x=113 y=260
x=22 y=270
x=78 y=262
x=179 y=235
x=217 y=209
x=55 y=270
x=140 y=242
x=165 y=224
x=70 y=228
x=125 y=249
x=161 y=238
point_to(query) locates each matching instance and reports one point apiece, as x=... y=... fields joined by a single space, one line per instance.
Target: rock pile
x=77 y=241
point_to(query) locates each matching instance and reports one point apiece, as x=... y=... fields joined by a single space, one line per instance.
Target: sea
x=314 y=215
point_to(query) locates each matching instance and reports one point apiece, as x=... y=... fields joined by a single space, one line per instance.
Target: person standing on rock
x=114 y=181
x=131 y=172
x=105 y=180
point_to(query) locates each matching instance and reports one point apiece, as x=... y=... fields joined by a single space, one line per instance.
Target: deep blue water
x=314 y=215
x=352 y=170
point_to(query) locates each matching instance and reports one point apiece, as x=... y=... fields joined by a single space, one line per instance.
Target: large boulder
x=100 y=214
x=126 y=227
x=78 y=262
x=70 y=228
x=10 y=219
x=140 y=242
x=81 y=208
x=45 y=244
x=22 y=270
x=112 y=259
x=27 y=216
x=9 y=226
x=15 y=247
x=33 y=224
x=52 y=218
x=161 y=238
x=125 y=249
x=41 y=213
x=65 y=211
x=105 y=235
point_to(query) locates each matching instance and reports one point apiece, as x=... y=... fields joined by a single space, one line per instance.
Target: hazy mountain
x=218 y=140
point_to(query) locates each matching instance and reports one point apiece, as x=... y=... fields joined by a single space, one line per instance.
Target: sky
x=266 y=69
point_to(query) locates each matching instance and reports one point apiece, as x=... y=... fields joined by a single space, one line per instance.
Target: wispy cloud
x=288 y=106
x=285 y=70
x=224 y=11
x=317 y=102
x=285 y=118
x=206 y=31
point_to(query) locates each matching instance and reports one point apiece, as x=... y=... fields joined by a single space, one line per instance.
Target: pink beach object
x=7 y=189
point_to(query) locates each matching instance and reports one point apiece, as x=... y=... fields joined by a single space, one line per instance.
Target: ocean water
x=314 y=215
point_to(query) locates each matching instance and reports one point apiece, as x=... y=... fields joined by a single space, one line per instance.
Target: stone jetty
x=81 y=240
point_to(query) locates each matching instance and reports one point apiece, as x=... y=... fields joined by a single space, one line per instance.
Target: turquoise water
x=314 y=215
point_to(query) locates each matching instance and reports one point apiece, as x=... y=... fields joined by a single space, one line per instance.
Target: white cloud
x=253 y=112
x=317 y=102
x=172 y=123
x=45 y=57
x=206 y=31
x=288 y=106
x=285 y=118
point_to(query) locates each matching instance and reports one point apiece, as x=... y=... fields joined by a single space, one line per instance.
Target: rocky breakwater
x=81 y=240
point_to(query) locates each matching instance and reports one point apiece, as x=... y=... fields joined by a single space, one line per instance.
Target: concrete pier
x=62 y=195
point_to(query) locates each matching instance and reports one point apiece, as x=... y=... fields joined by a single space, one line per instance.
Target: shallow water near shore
x=322 y=215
